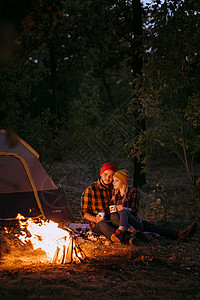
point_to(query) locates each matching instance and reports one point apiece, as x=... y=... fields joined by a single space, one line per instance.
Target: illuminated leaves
x=44 y=17
x=192 y=112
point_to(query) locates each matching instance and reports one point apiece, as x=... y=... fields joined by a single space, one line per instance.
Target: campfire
x=59 y=245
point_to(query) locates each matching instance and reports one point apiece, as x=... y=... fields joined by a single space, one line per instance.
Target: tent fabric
x=25 y=186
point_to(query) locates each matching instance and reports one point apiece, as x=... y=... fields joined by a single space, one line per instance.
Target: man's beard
x=106 y=184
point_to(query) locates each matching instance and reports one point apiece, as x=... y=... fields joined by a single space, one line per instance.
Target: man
x=97 y=198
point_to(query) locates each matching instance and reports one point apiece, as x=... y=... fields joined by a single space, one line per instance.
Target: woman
x=126 y=200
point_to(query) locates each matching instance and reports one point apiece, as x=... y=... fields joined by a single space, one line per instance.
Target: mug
x=113 y=208
x=101 y=214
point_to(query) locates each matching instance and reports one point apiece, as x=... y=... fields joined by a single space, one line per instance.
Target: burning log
x=60 y=245
x=70 y=251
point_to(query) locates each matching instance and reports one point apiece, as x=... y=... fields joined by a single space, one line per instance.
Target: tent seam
x=29 y=177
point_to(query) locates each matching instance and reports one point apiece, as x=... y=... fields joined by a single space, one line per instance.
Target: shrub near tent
x=25 y=186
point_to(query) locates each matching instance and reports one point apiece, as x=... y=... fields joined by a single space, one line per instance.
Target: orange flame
x=46 y=236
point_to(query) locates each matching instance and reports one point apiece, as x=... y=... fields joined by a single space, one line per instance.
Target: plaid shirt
x=132 y=200
x=96 y=198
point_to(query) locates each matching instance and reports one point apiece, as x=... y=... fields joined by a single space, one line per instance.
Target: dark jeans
x=125 y=218
x=104 y=227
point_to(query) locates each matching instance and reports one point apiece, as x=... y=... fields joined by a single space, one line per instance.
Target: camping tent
x=25 y=186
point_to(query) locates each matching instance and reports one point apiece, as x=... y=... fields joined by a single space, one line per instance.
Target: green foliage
x=192 y=111
x=42 y=133
x=84 y=113
x=72 y=59
x=168 y=89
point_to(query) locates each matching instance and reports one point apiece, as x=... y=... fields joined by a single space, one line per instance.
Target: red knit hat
x=108 y=166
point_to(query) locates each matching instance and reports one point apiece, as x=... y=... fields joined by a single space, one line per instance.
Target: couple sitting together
x=112 y=209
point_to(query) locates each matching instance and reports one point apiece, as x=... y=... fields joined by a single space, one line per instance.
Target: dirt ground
x=160 y=269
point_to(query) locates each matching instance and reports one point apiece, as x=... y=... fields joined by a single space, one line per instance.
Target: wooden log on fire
x=55 y=258
x=69 y=254
x=63 y=255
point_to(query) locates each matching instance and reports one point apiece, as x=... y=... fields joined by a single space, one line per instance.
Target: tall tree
x=169 y=84
x=137 y=64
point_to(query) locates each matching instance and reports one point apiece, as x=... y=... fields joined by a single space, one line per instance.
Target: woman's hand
x=120 y=208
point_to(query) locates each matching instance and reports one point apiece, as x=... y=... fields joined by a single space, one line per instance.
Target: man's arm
x=92 y=218
x=86 y=202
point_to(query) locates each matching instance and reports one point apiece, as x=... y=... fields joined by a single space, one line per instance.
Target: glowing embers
x=58 y=244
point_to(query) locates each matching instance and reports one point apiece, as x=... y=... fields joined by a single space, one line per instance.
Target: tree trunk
x=196 y=185
x=108 y=90
x=137 y=61
x=53 y=64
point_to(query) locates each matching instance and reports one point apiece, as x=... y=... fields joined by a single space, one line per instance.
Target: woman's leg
x=125 y=218
x=114 y=218
x=133 y=221
x=120 y=220
x=123 y=222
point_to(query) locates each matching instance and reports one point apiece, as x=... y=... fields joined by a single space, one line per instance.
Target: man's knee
x=105 y=228
x=101 y=225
